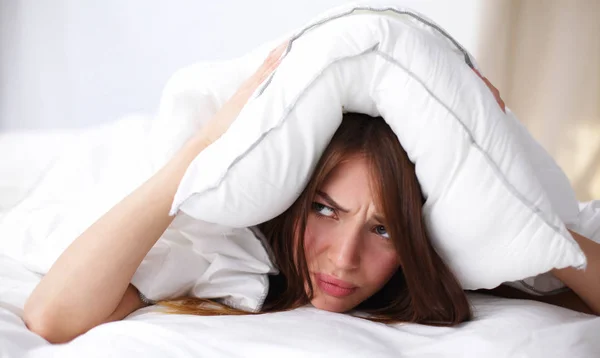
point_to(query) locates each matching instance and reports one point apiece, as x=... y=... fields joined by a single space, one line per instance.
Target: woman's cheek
x=309 y=237
x=314 y=233
x=387 y=264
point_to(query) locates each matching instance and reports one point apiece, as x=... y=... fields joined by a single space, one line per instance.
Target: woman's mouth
x=333 y=286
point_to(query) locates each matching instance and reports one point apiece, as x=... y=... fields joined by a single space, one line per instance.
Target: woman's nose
x=344 y=252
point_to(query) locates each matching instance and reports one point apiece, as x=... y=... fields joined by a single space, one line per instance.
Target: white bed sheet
x=502 y=327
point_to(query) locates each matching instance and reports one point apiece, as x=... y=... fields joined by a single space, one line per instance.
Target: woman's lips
x=334 y=287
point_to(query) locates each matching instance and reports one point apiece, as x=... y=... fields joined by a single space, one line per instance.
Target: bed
x=501 y=328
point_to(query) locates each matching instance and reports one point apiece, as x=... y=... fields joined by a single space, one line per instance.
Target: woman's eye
x=323 y=209
x=381 y=231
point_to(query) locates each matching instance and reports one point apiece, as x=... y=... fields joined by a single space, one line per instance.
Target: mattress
x=501 y=328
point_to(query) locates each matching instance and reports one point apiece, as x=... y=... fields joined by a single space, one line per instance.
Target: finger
x=277 y=51
x=272 y=66
x=492 y=89
x=263 y=76
x=275 y=54
x=502 y=105
x=267 y=68
x=269 y=64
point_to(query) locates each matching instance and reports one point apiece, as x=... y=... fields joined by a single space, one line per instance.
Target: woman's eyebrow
x=331 y=202
x=379 y=218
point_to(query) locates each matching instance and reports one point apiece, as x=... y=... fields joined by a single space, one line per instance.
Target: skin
x=89 y=284
x=345 y=238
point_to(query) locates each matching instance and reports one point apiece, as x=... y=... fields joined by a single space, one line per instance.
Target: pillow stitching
x=417 y=17
x=278 y=124
x=536 y=210
x=392 y=60
x=491 y=163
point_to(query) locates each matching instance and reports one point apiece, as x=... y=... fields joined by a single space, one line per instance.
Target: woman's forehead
x=350 y=184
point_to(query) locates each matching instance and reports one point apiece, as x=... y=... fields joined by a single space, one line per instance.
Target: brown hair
x=423 y=290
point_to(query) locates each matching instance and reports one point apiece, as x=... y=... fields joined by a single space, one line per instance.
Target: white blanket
x=57 y=185
x=502 y=327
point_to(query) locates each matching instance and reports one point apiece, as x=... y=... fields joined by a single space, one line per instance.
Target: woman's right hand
x=231 y=109
x=90 y=282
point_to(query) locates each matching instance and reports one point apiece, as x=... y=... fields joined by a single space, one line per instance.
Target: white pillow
x=96 y=171
x=487 y=213
x=587 y=224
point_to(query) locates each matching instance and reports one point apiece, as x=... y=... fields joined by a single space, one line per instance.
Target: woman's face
x=349 y=253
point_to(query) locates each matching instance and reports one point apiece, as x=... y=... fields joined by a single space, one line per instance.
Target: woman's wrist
x=178 y=164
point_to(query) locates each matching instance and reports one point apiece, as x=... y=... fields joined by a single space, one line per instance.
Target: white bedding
x=502 y=327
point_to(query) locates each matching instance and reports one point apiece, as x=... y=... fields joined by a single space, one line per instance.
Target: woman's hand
x=494 y=90
x=230 y=110
x=89 y=283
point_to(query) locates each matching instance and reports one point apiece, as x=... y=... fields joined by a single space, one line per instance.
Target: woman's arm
x=585 y=283
x=584 y=295
x=89 y=284
x=130 y=302
x=567 y=299
x=88 y=281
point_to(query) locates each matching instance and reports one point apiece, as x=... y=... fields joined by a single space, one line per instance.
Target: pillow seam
x=492 y=164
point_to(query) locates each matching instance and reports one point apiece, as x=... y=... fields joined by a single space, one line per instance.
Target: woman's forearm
x=585 y=283
x=87 y=282
x=567 y=299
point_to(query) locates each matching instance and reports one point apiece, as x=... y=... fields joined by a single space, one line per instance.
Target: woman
x=349 y=242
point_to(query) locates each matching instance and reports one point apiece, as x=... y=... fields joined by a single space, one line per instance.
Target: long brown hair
x=423 y=290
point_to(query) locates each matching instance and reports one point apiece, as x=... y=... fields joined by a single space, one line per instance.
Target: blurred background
x=77 y=63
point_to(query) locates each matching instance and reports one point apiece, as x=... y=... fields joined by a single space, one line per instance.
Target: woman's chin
x=331 y=304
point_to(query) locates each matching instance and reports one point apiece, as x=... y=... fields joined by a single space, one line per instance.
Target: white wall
x=74 y=63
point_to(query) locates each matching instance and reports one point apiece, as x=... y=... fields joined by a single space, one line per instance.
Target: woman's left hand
x=494 y=90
